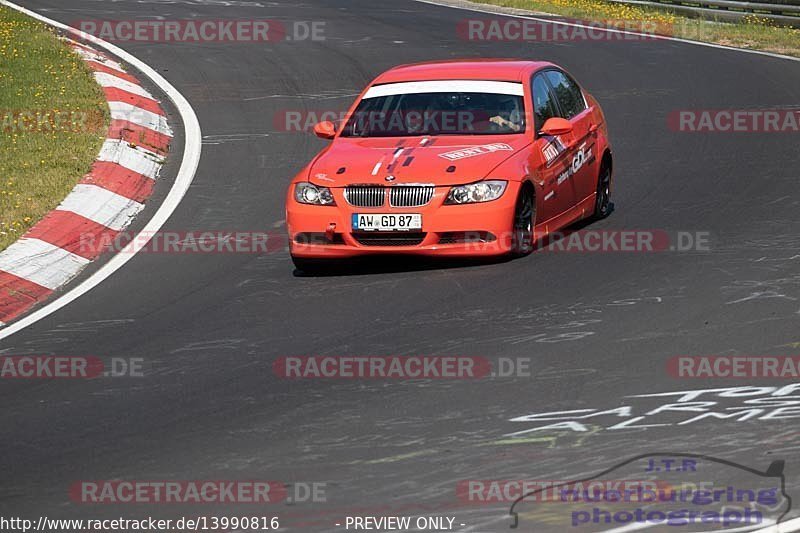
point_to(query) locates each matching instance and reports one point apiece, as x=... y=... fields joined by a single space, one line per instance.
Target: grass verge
x=53 y=119
x=753 y=32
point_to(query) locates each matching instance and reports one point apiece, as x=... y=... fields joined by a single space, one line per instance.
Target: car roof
x=463 y=69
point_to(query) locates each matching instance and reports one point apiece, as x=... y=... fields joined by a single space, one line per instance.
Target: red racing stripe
x=99 y=67
x=73 y=233
x=139 y=136
x=115 y=94
x=17 y=295
x=118 y=179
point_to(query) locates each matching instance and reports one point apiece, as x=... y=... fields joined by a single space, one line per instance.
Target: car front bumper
x=481 y=229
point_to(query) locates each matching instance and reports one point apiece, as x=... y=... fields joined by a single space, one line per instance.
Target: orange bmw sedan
x=455 y=158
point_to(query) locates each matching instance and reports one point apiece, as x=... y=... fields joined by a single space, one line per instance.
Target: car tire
x=523 y=223
x=603 y=205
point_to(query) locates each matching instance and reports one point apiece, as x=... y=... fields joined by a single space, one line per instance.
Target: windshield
x=437 y=113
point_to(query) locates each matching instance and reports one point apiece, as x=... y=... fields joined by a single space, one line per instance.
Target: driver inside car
x=508 y=115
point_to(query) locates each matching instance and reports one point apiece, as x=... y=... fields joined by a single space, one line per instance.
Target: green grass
x=754 y=32
x=39 y=164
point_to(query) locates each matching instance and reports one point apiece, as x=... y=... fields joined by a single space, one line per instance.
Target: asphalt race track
x=597 y=327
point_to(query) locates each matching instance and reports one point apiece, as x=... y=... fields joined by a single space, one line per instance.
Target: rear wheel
x=524 y=218
x=602 y=204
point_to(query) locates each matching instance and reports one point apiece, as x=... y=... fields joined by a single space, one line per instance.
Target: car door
x=550 y=155
x=582 y=169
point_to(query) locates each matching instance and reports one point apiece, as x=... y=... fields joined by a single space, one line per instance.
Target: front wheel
x=524 y=219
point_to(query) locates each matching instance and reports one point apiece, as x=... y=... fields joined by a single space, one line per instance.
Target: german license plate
x=386 y=222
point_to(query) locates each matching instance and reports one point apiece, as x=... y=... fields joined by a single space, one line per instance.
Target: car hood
x=443 y=160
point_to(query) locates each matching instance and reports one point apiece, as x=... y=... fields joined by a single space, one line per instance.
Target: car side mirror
x=325 y=129
x=556 y=126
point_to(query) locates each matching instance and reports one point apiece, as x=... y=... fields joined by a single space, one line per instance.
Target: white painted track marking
x=108 y=80
x=41 y=262
x=136 y=159
x=101 y=205
x=142 y=117
x=97 y=58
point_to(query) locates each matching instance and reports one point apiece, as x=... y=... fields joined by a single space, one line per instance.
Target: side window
x=568 y=93
x=544 y=106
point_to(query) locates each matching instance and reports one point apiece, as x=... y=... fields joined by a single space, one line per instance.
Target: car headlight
x=308 y=193
x=483 y=191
